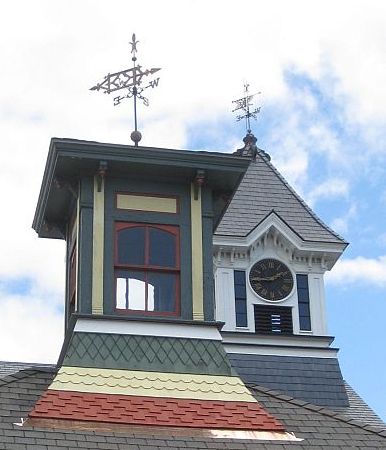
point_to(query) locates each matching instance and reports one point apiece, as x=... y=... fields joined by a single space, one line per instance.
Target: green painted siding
x=147 y=353
x=85 y=245
x=207 y=256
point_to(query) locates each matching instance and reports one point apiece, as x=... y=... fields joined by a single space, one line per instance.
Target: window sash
x=240 y=292
x=303 y=302
x=152 y=292
x=174 y=230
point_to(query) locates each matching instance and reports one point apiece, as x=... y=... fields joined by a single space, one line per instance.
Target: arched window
x=147 y=268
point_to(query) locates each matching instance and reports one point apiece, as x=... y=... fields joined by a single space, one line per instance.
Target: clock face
x=271 y=279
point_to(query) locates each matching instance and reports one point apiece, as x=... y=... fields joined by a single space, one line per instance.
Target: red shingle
x=134 y=410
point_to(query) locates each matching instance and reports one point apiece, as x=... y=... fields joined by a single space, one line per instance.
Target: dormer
x=138 y=224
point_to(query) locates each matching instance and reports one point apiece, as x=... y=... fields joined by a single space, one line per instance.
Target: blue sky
x=355 y=207
x=320 y=67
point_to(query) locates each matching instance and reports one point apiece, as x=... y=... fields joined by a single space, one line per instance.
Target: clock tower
x=271 y=252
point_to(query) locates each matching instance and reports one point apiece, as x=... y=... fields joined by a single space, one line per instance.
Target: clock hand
x=278 y=275
x=262 y=279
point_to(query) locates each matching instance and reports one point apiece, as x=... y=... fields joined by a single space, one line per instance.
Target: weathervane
x=244 y=104
x=131 y=80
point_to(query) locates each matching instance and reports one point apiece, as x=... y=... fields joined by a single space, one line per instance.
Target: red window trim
x=173 y=229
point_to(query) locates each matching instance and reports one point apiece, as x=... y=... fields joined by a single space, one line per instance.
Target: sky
x=321 y=69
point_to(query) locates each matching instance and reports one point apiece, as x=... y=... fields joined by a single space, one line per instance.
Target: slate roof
x=318 y=427
x=263 y=190
x=358 y=409
x=315 y=380
x=10 y=367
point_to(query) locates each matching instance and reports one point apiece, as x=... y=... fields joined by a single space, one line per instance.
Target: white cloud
x=55 y=51
x=341 y=224
x=359 y=270
x=31 y=329
x=329 y=189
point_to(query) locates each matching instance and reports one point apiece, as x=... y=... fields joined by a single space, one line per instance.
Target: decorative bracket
x=63 y=184
x=101 y=174
x=198 y=182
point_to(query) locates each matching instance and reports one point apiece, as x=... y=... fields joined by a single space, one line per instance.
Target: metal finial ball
x=136 y=136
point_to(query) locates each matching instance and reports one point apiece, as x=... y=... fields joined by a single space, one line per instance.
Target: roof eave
x=224 y=170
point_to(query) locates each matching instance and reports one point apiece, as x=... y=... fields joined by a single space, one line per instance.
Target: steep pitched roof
x=359 y=410
x=317 y=426
x=263 y=190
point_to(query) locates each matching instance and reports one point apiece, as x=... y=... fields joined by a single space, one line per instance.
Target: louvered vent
x=273 y=319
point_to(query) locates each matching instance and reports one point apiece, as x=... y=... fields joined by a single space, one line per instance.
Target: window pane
x=161 y=291
x=131 y=246
x=121 y=290
x=240 y=291
x=302 y=281
x=240 y=298
x=130 y=290
x=162 y=251
x=303 y=296
x=241 y=320
x=304 y=309
x=305 y=323
x=239 y=277
x=241 y=306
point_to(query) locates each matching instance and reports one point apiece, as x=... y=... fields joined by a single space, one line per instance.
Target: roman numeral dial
x=271 y=279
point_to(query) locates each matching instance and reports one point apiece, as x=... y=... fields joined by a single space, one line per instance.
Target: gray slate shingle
x=320 y=428
x=358 y=409
x=262 y=190
x=315 y=380
x=8 y=367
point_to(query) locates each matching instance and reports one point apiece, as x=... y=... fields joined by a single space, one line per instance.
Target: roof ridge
x=320 y=409
x=299 y=198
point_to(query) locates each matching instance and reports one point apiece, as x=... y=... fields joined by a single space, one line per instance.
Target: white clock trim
x=273 y=302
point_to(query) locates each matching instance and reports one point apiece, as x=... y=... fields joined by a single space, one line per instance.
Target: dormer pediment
x=274 y=232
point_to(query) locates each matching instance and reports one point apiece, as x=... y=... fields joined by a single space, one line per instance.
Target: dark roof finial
x=250 y=147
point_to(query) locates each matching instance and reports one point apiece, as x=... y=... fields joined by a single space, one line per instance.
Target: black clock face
x=271 y=279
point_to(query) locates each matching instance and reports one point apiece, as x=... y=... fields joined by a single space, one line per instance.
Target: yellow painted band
x=197 y=261
x=151 y=384
x=98 y=243
x=147 y=203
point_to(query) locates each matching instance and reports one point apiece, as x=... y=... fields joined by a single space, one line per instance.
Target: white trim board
x=277 y=341
x=275 y=351
x=144 y=328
